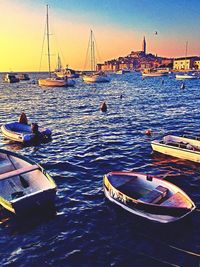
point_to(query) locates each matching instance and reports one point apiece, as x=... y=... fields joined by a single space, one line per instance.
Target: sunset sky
x=118 y=26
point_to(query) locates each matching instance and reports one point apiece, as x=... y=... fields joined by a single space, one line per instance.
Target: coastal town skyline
x=118 y=28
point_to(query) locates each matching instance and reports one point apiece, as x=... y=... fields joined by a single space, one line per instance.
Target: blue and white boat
x=24 y=185
x=22 y=133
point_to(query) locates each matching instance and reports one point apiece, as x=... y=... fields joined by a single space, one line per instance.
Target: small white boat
x=119 y=72
x=154 y=73
x=24 y=185
x=98 y=77
x=122 y=71
x=56 y=82
x=183 y=76
x=149 y=197
x=22 y=133
x=179 y=147
x=94 y=76
x=10 y=78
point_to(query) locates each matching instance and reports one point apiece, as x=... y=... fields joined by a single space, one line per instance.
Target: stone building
x=186 y=63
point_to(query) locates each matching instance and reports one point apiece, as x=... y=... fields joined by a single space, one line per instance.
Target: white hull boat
x=56 y=82
x=186 y=76
x=149 y=197
x=24 y=185
x=179 y=147
x=96 y=78
x=22 y=133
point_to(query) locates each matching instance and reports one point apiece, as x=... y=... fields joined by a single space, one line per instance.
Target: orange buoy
x=104 y=107
x=148 y=132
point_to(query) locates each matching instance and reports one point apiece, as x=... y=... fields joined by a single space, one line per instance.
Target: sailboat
x=64 y=72
x=94 y=76
x=186 y=75
x=52 y=81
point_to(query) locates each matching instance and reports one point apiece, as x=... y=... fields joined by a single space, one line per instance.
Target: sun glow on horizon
x=22 y=34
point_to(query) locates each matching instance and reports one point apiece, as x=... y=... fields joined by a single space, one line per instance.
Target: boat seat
x=18 y=172
x=177 y=200
x=155 y=195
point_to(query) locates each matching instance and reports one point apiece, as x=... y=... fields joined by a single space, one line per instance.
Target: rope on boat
x=185 y=251
x=173 y=247
x=162 y=261
x=42 y=48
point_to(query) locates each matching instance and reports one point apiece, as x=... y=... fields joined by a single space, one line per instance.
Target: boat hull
x=164 y=212
x=179 y=152
x=39 y=189
x=185 y=77
x=22 y=133
x=154 y=74
x=52 y=83
x=95 y=79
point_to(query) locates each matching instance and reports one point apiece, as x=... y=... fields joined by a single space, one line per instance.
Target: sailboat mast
x=91 y=51
x=93 y=56
x=48 y=46
x=186 y=48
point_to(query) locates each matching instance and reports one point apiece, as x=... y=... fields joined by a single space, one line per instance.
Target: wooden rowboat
x=147 y=196
x=23 y=184
x=180 y=147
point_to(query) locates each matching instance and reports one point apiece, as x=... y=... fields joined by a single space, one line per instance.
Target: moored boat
x=183 y=76
x=180 y=147
x=122 y=71
x=10 y=78
x=23 y=76
x=23 y=133
x=24 y=185
x=53 y=81
x=94 y=76
x=69 y=73
x=149 y=197
x=154 y=73
x=56 y=82
x=97 y=77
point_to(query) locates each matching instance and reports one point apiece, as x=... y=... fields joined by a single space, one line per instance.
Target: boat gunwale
x=157 y=143
x=137 y=201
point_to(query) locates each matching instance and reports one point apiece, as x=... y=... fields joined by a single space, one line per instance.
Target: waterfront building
x=186 y=63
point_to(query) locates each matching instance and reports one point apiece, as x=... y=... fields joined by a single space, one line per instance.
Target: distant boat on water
x=189 y=75
x=154 y=72
x=11 y=78
x=122 y=71
x=94 y=76
x=23 y=77
x=65 y=72
x=186 y=74
x=53 y=81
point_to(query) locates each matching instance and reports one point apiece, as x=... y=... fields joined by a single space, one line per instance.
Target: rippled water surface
x=86 y=229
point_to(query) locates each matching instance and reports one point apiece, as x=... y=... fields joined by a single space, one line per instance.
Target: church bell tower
x=144 y=46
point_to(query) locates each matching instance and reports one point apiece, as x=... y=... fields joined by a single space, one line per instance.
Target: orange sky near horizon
x=22 y=33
